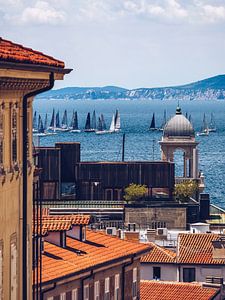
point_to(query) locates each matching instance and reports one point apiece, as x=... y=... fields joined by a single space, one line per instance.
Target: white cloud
x=42 y=13
x=213 y=14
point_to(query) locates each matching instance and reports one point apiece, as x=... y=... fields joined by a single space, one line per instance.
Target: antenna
x=153 y=149
x=123 y=147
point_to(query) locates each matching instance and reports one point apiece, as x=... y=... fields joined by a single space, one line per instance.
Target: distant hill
x=208 y=89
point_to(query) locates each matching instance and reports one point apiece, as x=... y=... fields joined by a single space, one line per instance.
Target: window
x=14 y=133
x=86 y=292
x=107 y=293
x=134 y=285
x=188 y=274
x=63 y=296
x=156 y=273
x=117 y=286
x=1 y=134
x=74 y=294
x=13 y=268
x=1 y=270
x=97 y=290
x=50 y=298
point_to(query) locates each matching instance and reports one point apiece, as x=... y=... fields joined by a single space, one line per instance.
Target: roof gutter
x=24 y=186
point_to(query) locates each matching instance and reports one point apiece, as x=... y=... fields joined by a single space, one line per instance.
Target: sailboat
x=40 y=131
x=57 y=122
x=64 y=124
x=103 y=122
x=163 y=122
x=88 y=124
x=112 y=125
x=204 y=128
x=152 y=125
x=35 y=128
x=74 y=123
x=117 y=121
x=101 y=128
x=52 y=124
x=212 y=124
x=93 y=121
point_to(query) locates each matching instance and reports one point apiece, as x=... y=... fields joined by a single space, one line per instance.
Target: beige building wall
x=14 y=84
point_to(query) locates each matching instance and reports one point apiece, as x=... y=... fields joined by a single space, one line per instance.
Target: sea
x=140 y=143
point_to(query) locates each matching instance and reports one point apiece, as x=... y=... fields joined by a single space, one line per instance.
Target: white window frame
x=63 y=296
x=97 y=290
x=107 y=288
x=74 y=294
x=134 y=285
x=117 y=286
x=86 y=290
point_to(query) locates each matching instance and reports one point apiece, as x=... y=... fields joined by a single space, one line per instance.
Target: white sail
x=112 y=126
x=117 y=121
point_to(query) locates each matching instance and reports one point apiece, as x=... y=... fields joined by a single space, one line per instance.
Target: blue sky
x=129 y=43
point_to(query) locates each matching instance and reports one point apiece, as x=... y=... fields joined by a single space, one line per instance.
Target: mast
x=93 y=120
x=88 y=122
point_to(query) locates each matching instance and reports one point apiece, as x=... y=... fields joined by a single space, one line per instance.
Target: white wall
x=168 y=271
x=201 y=272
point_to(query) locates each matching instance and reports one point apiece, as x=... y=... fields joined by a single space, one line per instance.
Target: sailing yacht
x=117 y=121
x=64 y=124
x=88 y=124
x=152 y=125
x=52 y=124
x=40 y=130
x=93 y=121
x=112 y=125
x=35 y=128
x=204 y=129
x=103 y=122
x=212 y=124
x=74 y=123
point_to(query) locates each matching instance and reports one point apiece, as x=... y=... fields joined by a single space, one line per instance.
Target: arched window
x=1 y=133
x=14 y=133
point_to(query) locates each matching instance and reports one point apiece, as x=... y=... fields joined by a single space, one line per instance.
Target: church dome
x=178 y=126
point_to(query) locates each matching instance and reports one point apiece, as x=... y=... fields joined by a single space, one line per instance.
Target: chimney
x=57 y=238
x=204 y=203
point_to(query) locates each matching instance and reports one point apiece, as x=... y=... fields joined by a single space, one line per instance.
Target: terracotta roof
x=98 y=249
x=197 y=248
x=159 y=254
x=56 y=225
x=11 y=52
x=75 y=219
x=154 y=290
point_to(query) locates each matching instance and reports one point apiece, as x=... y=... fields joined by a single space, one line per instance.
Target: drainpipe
x=123 y=277
x=24 y=187
x=82 y=283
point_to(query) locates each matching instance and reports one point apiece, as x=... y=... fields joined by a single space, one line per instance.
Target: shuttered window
x=117 y=286
x=13 y=269
x=134 y=285
x=74 y=294
x=97 y=290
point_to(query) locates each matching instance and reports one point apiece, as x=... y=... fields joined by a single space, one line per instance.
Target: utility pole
x=123 y=147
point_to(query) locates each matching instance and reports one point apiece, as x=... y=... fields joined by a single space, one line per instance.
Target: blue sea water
x=142 y=144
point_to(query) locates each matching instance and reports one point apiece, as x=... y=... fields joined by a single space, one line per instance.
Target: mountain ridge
x=209 y=89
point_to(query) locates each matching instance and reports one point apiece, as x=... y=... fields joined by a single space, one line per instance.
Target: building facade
x=23 y=72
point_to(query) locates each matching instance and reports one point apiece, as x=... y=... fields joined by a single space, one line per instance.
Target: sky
x=128 y=43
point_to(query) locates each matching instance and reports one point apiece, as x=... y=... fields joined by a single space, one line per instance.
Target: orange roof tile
x=159 y=254
x=197 y=248
x=154 y=290
x=12 y=52
x=75 y=219
x=56 y=225
x=98 y=249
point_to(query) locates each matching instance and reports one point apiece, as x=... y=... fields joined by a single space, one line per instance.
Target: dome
x=178 y=126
